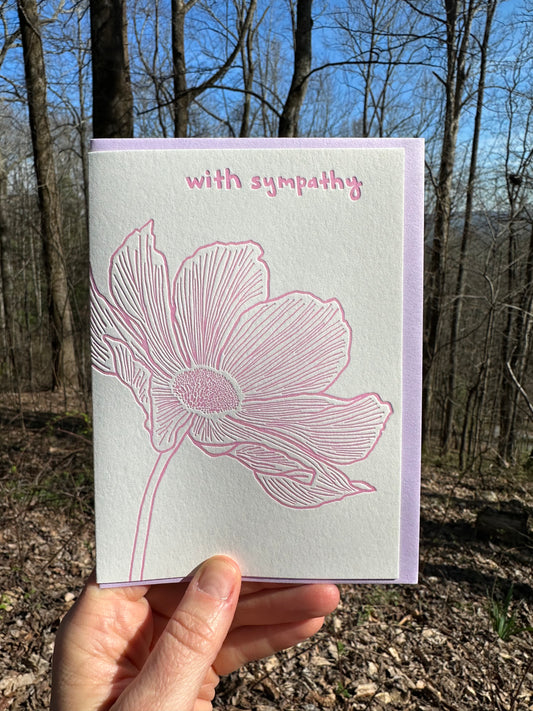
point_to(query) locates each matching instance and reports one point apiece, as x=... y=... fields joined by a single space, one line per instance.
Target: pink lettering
x=323 y=180
x=355 y=188
x=335 y=182
x=300 y=183
x=285 y=182
x=217 y=179
x=271 y=185
x=232 y=177
x=195 y=182
x=220 y=180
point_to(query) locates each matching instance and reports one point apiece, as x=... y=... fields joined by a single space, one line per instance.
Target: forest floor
x=419 y=647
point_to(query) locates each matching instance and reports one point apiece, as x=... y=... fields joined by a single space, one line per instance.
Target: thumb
x=175 y=670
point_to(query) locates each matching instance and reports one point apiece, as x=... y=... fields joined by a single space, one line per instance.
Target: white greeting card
x=256 y=321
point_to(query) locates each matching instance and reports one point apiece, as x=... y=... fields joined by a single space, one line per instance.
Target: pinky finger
x=207 y=690
x=245 y=644
x=202 y=705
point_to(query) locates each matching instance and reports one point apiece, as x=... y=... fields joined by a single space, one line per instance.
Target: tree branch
x=208 y=83
x=520 y=388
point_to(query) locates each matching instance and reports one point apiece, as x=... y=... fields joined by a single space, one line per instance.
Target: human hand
x=161 y=648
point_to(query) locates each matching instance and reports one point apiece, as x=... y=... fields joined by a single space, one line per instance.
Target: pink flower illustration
x=213 y=358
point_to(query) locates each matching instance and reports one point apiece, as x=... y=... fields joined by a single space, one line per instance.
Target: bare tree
x=6 y=269
x=10 y=35
x=457 y=21
x=458 y=296
x=381 y=43
x=518 y=320
x=6 y=278
x=65 y=363
x=150 y=23
x=302 y=29
x=184 y=95
x=112 y=96
x=248 y=68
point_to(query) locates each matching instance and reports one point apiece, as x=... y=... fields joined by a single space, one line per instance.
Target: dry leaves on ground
x=424 y=647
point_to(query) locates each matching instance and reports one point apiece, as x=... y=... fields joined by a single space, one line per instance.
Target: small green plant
x=6 y=604
x=341 y=690
x=504 y=621
x=75 y=421
x=364 y=614
x=383 y=595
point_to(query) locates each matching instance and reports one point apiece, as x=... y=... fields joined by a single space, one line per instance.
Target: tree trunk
x=112 y=96
x=456 y=55
x=288 y=123
x=181 y=99
x=368 y=72
x=83 y=130
x=516 y=347
x=459 y=285
x=183 y=95
x=64 y=356
x=247 y=76
x=6 y=279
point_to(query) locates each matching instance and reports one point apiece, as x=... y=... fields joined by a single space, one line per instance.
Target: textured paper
x=256 y=357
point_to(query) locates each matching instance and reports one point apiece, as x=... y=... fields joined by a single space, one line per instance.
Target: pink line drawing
x=213 y=358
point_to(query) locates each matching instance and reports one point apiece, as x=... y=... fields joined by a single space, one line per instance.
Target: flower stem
x=144 y=517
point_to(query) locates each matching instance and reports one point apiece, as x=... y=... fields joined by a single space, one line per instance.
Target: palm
x=119 y=628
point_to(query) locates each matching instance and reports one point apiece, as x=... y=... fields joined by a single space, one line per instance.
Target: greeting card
x=255 y=330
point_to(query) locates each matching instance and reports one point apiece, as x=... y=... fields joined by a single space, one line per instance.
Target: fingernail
x=217 y=578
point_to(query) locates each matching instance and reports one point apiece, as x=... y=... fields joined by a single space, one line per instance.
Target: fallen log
x=501 y=524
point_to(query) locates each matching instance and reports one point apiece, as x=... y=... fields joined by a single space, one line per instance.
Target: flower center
x=206 y=392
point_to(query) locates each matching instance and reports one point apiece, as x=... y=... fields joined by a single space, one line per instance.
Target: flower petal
x=211 y=290
x=315 y=427
x=296 y=343
x=257 y=456
x=170 y=421
x=335 y=430
x=291 y=482
x=329 y=485
x=289 y=470
x=139 y=285
x=108 y=321
x=131 y=372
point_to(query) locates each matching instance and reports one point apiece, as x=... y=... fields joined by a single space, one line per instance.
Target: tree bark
x=6 y=279
x=184 y=95
x=288 y=123
x=112 y=95
x=181 y=99
x=459 y=285
x=64 y=356
x=454 y=83
x=516 y=345
x=83 y=129
x=247 y=75
x=518 y=325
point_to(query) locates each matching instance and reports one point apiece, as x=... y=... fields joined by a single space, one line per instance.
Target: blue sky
x=334 y=101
